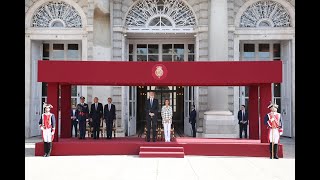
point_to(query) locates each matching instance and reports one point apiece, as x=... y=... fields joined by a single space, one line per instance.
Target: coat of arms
x=159 y=71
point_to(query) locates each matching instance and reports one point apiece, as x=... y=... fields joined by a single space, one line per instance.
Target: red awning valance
x=216 y=73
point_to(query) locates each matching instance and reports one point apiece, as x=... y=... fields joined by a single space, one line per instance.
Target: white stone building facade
x=162 y=30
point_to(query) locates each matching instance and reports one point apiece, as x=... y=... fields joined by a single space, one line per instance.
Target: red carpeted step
x=162 y=154
x=160 y=149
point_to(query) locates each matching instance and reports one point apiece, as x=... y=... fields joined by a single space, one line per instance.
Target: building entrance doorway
x=173 y=93
x=161 y=50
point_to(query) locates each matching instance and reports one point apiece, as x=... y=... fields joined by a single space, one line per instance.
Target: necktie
x=242 y=115
x=109 y=106
x=151 y=101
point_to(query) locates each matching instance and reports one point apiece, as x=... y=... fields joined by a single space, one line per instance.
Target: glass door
x=36 y=105
x=188 y=102
x=260 y=51
x=62 y=51
x=286 y=90
x=132 y=124
x=178 y=50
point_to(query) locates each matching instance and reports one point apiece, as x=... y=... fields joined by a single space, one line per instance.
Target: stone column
x=118 y=92
x=90 y=13
x=101 y=45
x=218 y=121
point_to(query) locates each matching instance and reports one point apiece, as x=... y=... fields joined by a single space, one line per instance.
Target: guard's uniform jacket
x=47 y=122
x=274 y=132
x=82 y=116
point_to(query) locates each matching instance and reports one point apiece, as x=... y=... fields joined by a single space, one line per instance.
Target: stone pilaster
x=200 y=8
x=218 y=121
x=117 y=49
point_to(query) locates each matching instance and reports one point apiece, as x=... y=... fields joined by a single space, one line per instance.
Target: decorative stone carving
x=265 y=14
x=56 y=14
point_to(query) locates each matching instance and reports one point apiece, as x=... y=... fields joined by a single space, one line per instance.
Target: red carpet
x=131 y=146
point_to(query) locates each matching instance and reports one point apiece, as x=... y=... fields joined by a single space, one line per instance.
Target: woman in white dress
x=166 y=114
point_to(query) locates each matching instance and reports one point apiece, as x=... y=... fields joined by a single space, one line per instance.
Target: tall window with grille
x=61 y=51
x=260 y=51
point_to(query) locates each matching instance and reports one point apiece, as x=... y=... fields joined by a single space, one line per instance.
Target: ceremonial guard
x=47 y=125
x=82 y=116
x=273 y=121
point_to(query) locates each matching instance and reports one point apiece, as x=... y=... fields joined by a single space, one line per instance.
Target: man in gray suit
x=151 y=109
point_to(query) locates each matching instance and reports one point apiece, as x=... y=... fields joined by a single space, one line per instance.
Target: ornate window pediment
x=56 y=15
x=265 y=14
x=160 y=15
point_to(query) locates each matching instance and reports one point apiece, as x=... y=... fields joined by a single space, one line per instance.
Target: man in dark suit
x=96 y=112
x=192 y=120
x=74 y=121
x=82 y=115
x=243 y=120
x=151 y=109
x=109 y=115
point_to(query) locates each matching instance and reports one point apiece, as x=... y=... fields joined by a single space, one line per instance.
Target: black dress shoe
x=154 y=140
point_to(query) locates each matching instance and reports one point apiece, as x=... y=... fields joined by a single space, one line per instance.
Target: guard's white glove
x=281 y=133
x=52 y=133
x=41 y=128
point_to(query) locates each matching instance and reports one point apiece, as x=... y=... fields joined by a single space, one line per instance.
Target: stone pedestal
x=120 y=132
x=219 y=124
x=199 y=133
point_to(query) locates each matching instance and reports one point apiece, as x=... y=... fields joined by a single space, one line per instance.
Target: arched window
x=57 y=15
x=265 y=14
x=160 y=13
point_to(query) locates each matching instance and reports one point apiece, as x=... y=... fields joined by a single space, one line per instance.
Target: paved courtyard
x=133 y=167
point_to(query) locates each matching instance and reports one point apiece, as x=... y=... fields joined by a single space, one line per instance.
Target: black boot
x=275 y=151
x=45 y=147
x=49 y=149
x=270 y=150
